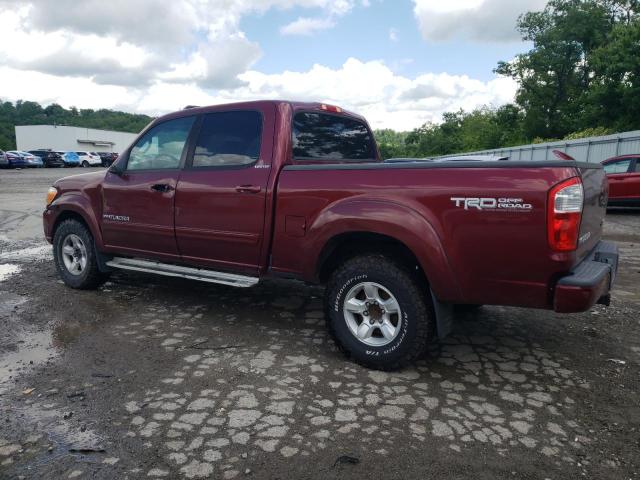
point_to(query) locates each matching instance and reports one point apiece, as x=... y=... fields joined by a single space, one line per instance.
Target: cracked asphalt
x=153 y=377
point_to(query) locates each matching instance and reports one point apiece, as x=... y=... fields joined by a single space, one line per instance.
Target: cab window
x=621 y=166
x=319 y=136
x=228 y=139
x=161 y=147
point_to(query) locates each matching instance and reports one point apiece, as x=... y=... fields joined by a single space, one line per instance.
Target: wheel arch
x=349 y=244
x=386 y=227
x=75 y=207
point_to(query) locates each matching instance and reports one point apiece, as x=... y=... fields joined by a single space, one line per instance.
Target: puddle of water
x=33 y=349
x=66 y=437
x=8 y=269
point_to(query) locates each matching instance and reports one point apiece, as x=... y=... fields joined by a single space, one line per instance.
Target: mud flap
x=102 y=259
x=444 y=316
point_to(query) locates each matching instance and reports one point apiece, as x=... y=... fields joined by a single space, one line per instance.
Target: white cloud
x=125 y=42
x=92 y=58
x=371 y=88
x=393 y=35
x=307 y=26
x=483 y=20
x=311 y=25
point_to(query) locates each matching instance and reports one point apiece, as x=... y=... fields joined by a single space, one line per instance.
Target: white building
x=57 y=137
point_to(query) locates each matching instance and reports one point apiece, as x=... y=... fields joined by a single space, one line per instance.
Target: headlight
x=52 y=193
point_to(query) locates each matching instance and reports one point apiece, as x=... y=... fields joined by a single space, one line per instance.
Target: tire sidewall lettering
x=344 y=288
x=368 y=350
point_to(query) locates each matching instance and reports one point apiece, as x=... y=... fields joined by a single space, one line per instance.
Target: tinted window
x=162 y=146
x=318 y=136
x=228 y=138
x=637 y=169
x=621 y=166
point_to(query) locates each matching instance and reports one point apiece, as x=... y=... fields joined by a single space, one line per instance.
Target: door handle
x=248 y=189
x=161 y=187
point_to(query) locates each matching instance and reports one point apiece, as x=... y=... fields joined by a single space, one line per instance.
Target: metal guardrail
x=590 y=149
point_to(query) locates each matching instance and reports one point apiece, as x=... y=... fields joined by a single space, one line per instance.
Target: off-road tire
x=418 y=317
x=91 y=277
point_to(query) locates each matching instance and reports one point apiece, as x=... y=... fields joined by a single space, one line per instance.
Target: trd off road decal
x=490 y=203
x=115 y=218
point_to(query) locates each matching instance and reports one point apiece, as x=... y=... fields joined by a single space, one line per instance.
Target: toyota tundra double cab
x=231 y=194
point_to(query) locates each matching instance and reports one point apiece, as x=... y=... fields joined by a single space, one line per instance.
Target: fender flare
x=81 y=205
x=391 y=219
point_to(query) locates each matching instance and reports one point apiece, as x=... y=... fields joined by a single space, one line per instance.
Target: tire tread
x=425 y=319
x=94 y=277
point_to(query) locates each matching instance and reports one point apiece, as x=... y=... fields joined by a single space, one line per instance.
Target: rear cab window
x=329 y=137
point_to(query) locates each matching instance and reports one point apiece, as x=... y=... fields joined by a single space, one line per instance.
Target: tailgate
x=596 y=189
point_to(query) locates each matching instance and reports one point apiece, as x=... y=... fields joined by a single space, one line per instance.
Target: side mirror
x=116 y=170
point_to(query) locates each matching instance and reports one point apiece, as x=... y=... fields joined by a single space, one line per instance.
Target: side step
x=170 y=270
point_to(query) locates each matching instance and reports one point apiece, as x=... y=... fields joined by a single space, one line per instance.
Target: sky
x=400 y=63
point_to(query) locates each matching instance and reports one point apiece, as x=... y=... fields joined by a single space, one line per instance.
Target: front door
x=221 y=196
x=617 y=176
x=138 y=202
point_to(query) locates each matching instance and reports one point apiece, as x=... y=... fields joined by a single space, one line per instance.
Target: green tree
x=614 y=97
x=563 y=83
x=32 y=113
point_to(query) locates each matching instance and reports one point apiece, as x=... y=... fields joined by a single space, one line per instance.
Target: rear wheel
x=378 y=313
x=75 y=256
x=85 y=164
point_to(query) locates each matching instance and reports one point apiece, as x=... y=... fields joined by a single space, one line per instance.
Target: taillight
x=564 y=215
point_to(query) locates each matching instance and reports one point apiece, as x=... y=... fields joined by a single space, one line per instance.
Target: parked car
x=89 y=159
x=49 y=157
x=623 y=174
x=232 y=194
x=108 y=158
x=4 y=161
x=70 y=159
x=18 y=158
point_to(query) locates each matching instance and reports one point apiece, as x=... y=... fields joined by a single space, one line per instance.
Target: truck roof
x=295 y=106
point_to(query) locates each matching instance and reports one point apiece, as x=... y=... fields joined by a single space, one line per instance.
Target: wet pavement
x=153 y=377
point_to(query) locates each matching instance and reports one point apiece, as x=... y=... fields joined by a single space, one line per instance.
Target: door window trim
x=188 y=165
x=183 y=155
x=374 y=149
x=631 y=160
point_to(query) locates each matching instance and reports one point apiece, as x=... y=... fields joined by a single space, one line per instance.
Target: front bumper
x=589 y=282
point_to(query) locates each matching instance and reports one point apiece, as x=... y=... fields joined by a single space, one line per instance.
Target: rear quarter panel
x=469 y=256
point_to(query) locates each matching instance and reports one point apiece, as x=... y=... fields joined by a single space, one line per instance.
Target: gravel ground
x=153 y=377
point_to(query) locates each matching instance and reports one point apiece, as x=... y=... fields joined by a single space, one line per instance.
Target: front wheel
x=378 y=313
x=85 y=164
x=75 y=256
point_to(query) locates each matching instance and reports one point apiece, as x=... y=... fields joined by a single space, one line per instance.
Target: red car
x=235 y=193
x=623 y=174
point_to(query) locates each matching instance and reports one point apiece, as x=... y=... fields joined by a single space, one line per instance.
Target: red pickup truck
x=234 y=193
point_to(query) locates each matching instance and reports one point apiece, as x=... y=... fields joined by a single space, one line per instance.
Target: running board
x=170 y=270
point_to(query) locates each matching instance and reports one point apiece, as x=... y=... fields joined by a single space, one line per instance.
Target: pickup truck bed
x=234 y=193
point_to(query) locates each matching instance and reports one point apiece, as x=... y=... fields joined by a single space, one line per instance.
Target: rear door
x=221 y=195
x=138 y=204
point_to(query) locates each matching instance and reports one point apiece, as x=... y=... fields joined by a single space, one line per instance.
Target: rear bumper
x=589 y=282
